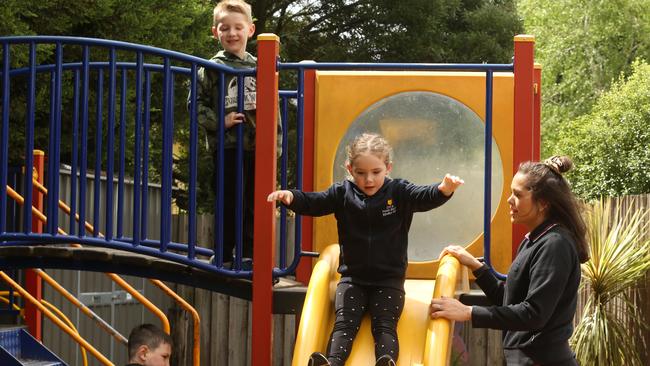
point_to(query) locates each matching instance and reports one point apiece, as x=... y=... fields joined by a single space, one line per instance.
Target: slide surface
x=422 y=341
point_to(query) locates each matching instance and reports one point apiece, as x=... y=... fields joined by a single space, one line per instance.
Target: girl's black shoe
x=385 y=360
x=318 y=359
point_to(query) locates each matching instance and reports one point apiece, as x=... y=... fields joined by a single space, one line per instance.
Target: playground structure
x=513 y=124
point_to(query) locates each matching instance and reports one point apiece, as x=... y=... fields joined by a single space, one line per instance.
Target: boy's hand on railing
x=285 y=197
x=449 y=184
x=463 y=256
x=233 y=118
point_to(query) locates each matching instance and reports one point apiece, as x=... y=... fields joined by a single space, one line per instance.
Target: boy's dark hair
x=148 y=335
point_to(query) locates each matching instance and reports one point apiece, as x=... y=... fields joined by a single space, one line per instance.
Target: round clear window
x=432 y=134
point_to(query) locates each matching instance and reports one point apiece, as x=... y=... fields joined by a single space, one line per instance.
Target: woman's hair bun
x=559 y=164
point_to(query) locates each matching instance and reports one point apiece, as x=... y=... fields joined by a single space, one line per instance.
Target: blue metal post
x=50 y=226
x=4 y=160
x=283 y=182
x=218 y=212
x=194 y=131
x=84 y=140
x=75 y=147
x=122 y=159
x=487 y=192
x=166 y=159
x=239 y=177
x=300 y=141
x=138 y=147
x=145 y=156
x=29 y=139
x=55 y=152
x=99 y=129
x=110 y=145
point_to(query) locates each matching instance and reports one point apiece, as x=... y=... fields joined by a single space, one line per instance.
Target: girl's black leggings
x=385 y=305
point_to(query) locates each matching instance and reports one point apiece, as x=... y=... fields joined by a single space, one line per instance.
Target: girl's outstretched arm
x=285 y=197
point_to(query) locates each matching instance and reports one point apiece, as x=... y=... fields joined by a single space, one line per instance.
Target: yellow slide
x=422 y=341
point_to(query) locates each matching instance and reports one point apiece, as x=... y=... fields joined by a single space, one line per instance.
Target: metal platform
x=288 y=295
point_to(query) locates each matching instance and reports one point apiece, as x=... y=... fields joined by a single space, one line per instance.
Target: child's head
x=149 y=346
x=369 y=161
x=233 y=25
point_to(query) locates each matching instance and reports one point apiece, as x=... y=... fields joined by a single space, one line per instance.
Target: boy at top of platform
x=232 y=27
x=148 y=345
x=373 y=214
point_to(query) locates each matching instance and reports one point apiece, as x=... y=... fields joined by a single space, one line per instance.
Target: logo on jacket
x=249 y=93
x=389 y=209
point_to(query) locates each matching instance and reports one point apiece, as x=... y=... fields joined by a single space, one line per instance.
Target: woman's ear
x=545 y=206
x=389 y=167
x=348 y=166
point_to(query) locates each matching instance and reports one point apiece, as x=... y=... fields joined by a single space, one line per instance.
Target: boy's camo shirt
x=207 y=94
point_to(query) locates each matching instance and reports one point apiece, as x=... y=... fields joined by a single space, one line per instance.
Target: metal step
x=39 y=363
x=19 y=348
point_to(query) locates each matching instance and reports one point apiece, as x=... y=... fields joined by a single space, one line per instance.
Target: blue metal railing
x=104 y=79
x=137 y=112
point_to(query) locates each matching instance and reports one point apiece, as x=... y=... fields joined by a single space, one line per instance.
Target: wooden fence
x=225 y=326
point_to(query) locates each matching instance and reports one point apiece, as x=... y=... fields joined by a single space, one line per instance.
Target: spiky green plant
x=620 y=257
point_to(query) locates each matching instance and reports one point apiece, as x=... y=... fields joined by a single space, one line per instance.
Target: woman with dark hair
x=535 y=306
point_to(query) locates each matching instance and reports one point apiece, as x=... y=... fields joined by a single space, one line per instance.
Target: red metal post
x=523 y=144
x=268 y=48
x=303 y=272
x=33 y=283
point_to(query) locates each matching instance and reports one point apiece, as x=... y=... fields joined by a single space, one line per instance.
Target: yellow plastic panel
x=342 y=96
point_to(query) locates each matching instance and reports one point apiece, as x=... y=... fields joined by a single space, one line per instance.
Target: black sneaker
x=385 y=360
x=318 y=359
x=247 y=264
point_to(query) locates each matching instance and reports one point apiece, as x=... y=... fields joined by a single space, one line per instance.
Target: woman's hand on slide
x=463 y=256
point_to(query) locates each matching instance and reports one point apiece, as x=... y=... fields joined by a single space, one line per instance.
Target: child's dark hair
x=369 y=143
x=546 y=183
x=148 y=335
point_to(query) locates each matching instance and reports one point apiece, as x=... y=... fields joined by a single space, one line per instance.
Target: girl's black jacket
x=535 y=306
x=373 y=230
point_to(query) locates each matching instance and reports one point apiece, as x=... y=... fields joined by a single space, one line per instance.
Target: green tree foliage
x=583 y=46
x=181 y=25
x=392 y=31
x=610 y=144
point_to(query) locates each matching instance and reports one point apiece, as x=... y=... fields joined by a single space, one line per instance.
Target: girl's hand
x=233 y=118
x=285 y=196
x=451 y=309
x=449 y=184
x=463 y=256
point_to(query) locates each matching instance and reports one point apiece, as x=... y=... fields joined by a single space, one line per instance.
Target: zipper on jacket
x=369 y=251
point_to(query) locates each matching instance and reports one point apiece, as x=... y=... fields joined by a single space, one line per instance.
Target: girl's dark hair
x=547 y=184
